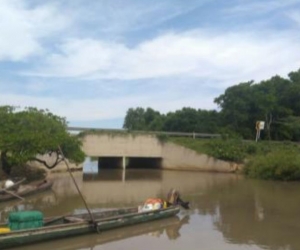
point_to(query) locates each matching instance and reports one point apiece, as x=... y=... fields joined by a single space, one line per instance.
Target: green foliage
x=185 y=120
x=192 y=120
x=141 y=119
x=276 y=165
x=236 y=104
x=26 y=134
x=71 y=148
x=262 y=160
x=228 y=149
x=223 y=149
x=197 y=145
x=275 y=101
x=30 y=173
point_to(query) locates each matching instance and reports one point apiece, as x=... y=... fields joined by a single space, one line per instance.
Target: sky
x=90 y=61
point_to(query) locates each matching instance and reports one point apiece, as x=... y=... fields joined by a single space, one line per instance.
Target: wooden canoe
x=167 y=226
x=27 y=190
x=67 y=226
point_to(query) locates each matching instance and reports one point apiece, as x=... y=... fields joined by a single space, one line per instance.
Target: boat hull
x=119 y=218
x=34 y=190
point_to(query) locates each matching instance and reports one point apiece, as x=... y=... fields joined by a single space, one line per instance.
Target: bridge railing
x=179 y=134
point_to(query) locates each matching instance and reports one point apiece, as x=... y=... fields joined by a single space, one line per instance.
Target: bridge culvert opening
x=110 y=162
x=144 y=162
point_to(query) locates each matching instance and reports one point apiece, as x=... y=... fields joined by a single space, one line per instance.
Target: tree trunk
x=269 y=120
x=6 y=167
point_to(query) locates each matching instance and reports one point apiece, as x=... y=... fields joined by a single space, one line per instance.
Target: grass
x=262 y=160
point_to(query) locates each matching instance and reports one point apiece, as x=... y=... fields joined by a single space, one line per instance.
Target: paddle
x=69 y=170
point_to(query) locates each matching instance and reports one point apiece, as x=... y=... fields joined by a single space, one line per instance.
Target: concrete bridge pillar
x=124 y=162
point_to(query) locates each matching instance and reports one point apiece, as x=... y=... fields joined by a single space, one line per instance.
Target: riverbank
x=263 y=160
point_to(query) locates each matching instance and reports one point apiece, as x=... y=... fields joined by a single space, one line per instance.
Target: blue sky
x=90 y=61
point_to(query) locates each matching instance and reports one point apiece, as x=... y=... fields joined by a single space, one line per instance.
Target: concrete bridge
x=131 y=150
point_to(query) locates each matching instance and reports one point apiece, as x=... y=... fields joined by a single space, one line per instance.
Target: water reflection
x=256 y=212
x=122 y=175
x=42 y=201
x=90 y=165
x=247 y=214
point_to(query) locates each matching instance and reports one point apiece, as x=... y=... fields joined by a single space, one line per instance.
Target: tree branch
x=46 y=164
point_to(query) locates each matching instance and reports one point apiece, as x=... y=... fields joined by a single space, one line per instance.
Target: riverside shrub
x=227 y=149
x=281 y=164
x=31 y=173
x=262 y=160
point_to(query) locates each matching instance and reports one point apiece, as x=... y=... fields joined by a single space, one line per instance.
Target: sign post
x=260 y=125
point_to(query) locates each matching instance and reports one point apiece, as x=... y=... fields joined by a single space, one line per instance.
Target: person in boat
x=173 y=198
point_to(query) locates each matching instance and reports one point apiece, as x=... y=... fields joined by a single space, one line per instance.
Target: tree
x=134 y=119
x=275 y=101
x=153 y=120
x=184 y=120
x=236 y=108
x=141 y=119
x=31 y=133
x=292 y=95
x=269 y=101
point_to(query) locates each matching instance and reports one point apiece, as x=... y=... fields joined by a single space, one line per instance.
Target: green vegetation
x=234 y=150
x=275 y=101
x=126 y=133
x=25 y=135
x=185 y=120
x=28 y=134
x=29 y=172
x=112 y=133
x=263 y=160
x=276 y=165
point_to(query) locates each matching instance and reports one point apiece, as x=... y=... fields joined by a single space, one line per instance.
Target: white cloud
x=21 y=28
x=92 y=109
x=75 y=109
x=226 y=56
x=108 y=56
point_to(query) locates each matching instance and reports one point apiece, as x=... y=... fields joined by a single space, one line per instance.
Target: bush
x=30 y=173
x=251 y=148
x=227 y=149
x=263 y=160
x=276 y=165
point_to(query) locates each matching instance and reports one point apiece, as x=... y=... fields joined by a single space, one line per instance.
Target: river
x=227 y=211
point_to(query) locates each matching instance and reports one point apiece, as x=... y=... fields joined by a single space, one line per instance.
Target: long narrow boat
x=27 y=190
x=66 y=226
x=169 y=227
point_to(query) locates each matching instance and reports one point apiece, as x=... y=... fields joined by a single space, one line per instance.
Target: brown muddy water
x=227 y=211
